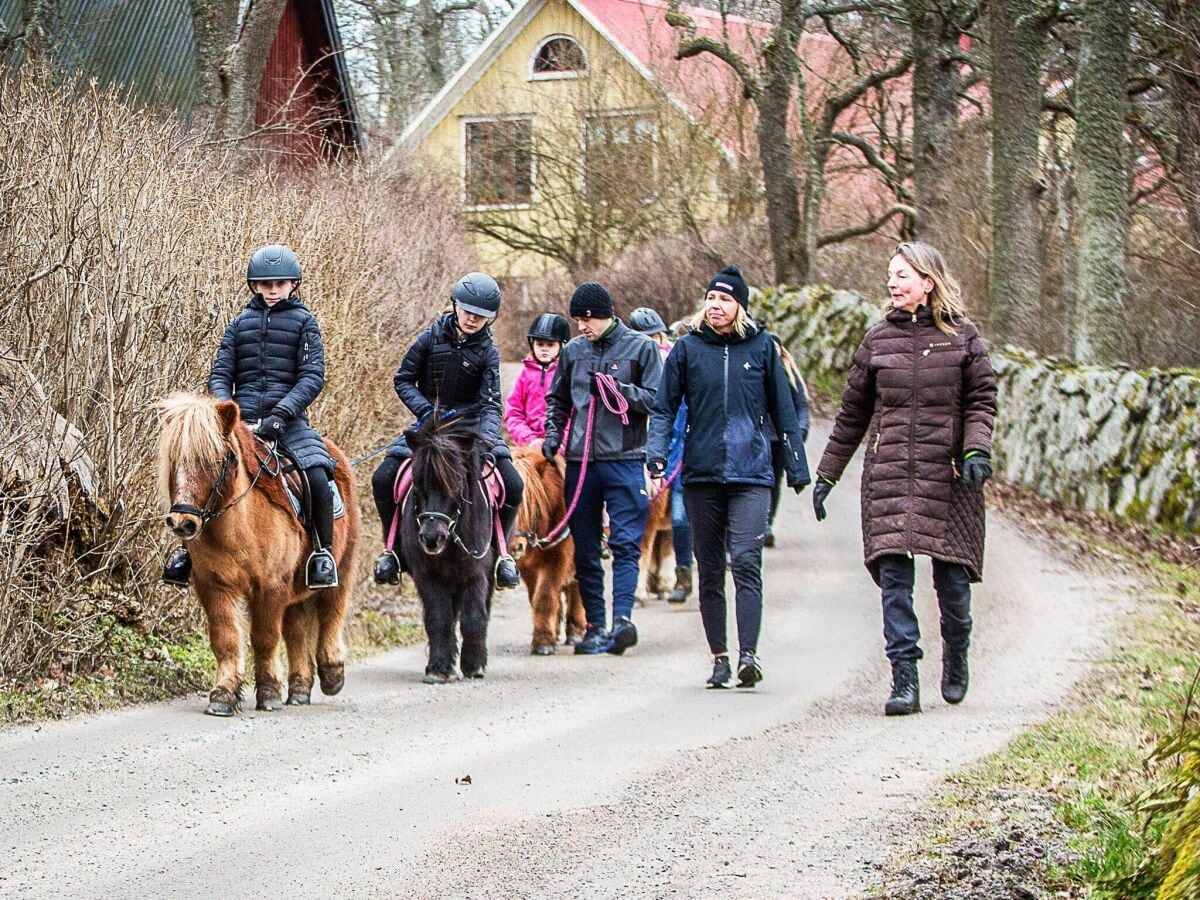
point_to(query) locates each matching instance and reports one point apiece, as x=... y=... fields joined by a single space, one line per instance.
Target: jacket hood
x=706 y=333
x=923 y=313
x=448 y=327
x=533 y=365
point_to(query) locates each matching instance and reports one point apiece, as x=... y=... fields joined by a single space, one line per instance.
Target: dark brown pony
x=547 y=570
x=656 y=547
x=249 y=551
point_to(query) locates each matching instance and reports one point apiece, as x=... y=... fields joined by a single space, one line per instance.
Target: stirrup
x=308 y=571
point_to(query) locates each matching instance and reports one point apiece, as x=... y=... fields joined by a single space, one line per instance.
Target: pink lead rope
x=616 y=404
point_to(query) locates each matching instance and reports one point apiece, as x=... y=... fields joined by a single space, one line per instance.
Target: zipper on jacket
x=725 y=468
x=912 y=433
x=262 y=360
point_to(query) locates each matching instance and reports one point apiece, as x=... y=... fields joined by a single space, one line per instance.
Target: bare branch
x=845 y=234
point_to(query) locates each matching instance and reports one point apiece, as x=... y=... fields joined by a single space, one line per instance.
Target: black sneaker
x=178 y=569
x=321 y=572
x=507 y=575
x=623 y=636
x=595 y=640
x=749 y=670
x=387 y=568
x=722 y=674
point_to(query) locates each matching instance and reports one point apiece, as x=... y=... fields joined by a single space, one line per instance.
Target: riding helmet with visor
x=477 y=294
x=549 y=327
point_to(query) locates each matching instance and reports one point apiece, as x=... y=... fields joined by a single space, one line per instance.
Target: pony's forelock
x=535 y=503
x=190 y=437
x=444 y=456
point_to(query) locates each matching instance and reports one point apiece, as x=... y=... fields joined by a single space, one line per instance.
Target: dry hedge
x=123 y=241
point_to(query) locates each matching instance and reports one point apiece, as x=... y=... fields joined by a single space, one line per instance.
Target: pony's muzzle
x=185 y=526
x=433 y=544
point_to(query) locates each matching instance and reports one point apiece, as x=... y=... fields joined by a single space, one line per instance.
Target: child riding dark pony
x=453 y=367
x=272 y=364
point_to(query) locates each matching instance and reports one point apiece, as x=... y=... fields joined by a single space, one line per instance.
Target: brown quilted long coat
x=922 y=398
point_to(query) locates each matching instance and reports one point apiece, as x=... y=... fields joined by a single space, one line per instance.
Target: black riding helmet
x=647 y=321
x=477 y=293
x=273 y=262
x=549 y=327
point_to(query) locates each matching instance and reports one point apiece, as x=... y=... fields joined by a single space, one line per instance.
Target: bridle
x=451 y=522
x=212 y=508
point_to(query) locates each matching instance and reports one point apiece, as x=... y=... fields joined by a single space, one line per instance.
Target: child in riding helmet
x=525 y=409
x=454 y=367
x=272 y=364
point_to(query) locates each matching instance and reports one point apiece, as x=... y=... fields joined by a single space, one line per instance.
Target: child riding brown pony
x=548 y=570
x=228 y=502
x=656 y=547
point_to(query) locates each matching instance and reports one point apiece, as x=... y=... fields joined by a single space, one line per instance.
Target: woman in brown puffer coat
x=923 y=393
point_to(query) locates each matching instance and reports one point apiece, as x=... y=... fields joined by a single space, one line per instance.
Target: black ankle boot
x=906 y=689
x=178 y=569
x=321 y=572
x=683 y=586
x=954 y=673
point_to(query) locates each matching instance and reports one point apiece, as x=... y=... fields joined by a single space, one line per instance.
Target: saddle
x=295 y=486
x=493 y=487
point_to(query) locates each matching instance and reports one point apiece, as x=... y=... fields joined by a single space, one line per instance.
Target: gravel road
x=589 y=776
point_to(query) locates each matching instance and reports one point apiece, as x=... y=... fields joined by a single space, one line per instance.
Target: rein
x=212 y=510
x=616 y=404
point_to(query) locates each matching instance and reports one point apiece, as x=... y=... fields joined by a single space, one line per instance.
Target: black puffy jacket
x=271 y=361
x=733 y=387
x=454 y=374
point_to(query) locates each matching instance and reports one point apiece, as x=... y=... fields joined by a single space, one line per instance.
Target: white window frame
x=462 y=143
x=556 y=76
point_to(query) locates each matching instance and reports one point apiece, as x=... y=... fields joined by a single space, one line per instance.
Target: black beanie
x=730 y=281
x=591 y=301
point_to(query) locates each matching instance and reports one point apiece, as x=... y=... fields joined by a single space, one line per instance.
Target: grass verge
x=1092 y=764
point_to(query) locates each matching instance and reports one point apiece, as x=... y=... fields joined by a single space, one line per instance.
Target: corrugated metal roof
x=146 y=45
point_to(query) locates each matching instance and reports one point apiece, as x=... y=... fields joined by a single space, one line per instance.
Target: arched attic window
x=559 y=56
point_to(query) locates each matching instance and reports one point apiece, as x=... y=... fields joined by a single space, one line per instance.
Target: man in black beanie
x=615 y=477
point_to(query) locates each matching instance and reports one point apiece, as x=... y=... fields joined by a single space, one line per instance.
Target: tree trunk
x=792 y=264
x=1014 y=278
x=935 y=90
x=1102 y=182
x=1184 y=17
x=230 y=60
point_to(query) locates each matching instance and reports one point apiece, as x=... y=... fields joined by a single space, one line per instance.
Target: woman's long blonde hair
x=946 y=297
x=741 y=321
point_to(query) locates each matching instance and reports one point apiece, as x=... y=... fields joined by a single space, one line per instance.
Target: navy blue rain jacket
x=271 y=362
x=733 y=387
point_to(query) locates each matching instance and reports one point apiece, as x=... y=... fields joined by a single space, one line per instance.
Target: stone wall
x=1107 y=440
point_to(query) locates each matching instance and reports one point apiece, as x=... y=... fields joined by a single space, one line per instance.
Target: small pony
x=228 y=502
x=656 y=547
x=548 y=570
x=446 y=542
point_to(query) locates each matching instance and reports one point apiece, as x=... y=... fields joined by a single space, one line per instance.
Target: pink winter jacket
x=525 y=408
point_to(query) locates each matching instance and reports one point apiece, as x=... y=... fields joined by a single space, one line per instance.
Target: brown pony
x=249 y=550
x=547 y=570
x=656 y=547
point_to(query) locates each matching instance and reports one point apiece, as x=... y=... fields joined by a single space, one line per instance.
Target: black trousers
x=901 y=632
x=384 y=480
x=321 y=495
x=729 y=521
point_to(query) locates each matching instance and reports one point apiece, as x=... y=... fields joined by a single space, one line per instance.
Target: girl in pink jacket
x=525 y=408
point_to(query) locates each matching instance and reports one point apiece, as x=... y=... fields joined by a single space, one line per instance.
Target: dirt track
x=589 y=776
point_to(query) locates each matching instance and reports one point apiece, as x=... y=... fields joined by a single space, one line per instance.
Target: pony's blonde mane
x=190 y=437
x=535 y=503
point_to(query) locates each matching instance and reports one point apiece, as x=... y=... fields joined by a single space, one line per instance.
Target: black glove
x=977 y=468
x=797 y=486
x=271 y=428
x=594 y=385
x=820 y=492
x=656 y=467
x=549 y=449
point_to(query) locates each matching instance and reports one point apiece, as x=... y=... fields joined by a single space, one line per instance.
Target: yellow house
x=572 y=132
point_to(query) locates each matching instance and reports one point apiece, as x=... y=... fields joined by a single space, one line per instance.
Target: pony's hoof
x=299 y=698
x=269 y=704
x=474 y=675
x=543 y=650
x=333 y=678
x=436 y=678
x=220 y=708
x=572 y=640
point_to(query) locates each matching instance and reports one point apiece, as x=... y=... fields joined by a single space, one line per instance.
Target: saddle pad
x=339 y=508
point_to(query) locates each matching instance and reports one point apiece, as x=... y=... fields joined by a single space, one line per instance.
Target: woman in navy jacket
x=730 y=374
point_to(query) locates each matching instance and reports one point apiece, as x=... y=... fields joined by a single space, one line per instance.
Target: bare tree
x=776 y=84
